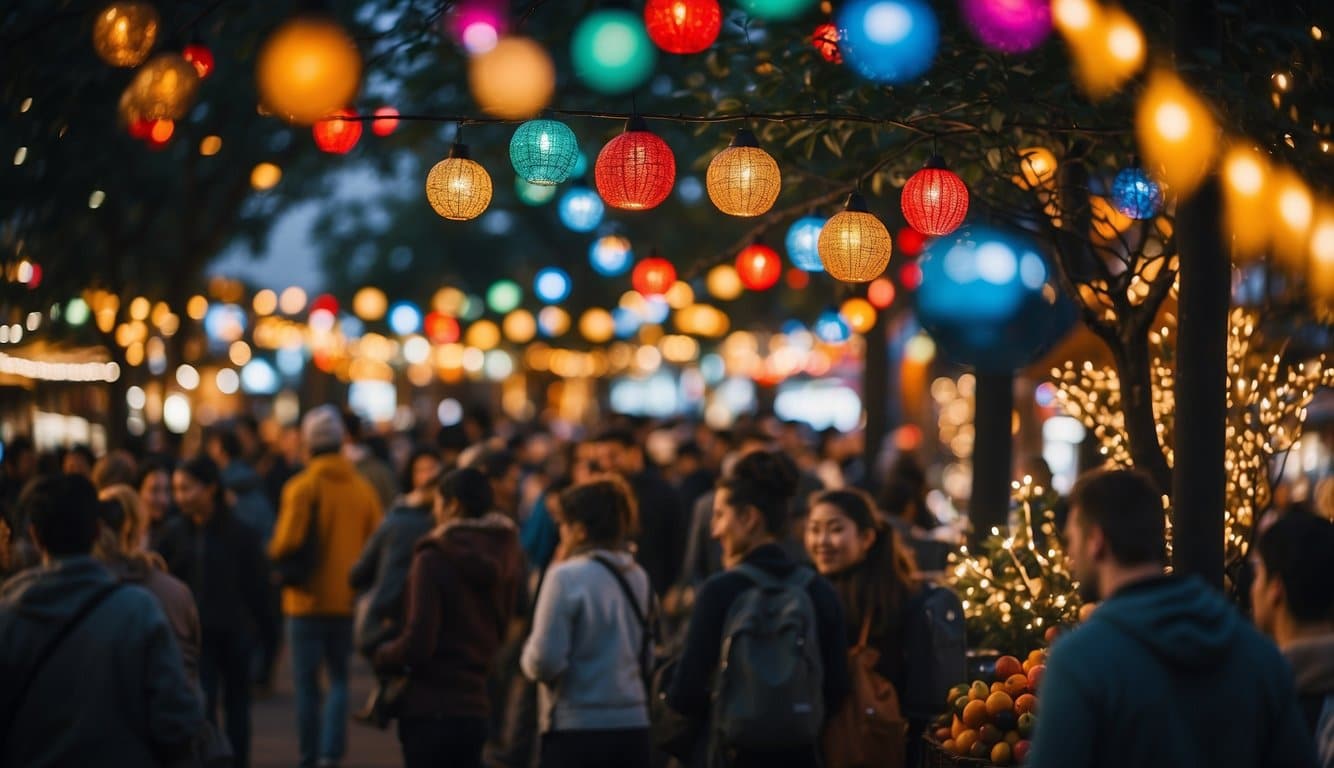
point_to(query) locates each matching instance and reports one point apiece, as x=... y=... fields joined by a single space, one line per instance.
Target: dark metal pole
x=993 y=454
x=875 y=395
x=1198 y=480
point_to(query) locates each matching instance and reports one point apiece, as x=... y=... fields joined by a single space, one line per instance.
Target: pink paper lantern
x=1010 y=26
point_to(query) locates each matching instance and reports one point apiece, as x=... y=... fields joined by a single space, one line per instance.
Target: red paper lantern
x=880 y=293
x=337 y=136
x=385 y=122
x=911 y=242
x=200 y=56
x=759 y=267
x=441 y=328
x=683 y=26
x=636 y=170
x=798 y=278
x=825 y=39
x=935 y=199
x=910 y=275
x=140 y=128
x=653 y=276
x=324 y=303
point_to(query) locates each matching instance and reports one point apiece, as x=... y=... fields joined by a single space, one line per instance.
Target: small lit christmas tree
x=1019 y=586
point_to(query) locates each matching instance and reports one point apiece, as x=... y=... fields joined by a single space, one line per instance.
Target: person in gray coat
x=116 y=671
x=590 y=646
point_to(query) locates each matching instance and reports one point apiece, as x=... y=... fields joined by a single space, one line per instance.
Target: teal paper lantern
x=612 y=52
x=776 y=10
x=533 y=194
x=544 y=152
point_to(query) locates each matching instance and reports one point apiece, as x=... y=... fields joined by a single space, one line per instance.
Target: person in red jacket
x=460 y=599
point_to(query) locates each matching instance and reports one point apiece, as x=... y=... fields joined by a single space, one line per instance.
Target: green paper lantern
x=544 y=152
x=612 y=52
x=503 y=296
x=776 y=10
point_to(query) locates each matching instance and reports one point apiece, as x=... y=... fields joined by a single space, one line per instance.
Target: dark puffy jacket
x=461 y=596
x=252 y=505
x=113 y=692
x=382 y=573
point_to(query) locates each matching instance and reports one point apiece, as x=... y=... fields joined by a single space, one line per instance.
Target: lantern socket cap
x=856 y=203
x=636 y=123
x=459 y=151
x=935 y=162
x=744 y=138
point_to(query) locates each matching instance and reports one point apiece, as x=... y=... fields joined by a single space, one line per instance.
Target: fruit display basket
x=934 y=755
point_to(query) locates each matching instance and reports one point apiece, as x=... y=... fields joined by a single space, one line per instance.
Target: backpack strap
x=647 y=619
x=82 y=612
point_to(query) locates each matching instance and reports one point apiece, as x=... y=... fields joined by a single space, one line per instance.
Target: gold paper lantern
x=854 y=245
x=744 y=180
x=1245 y=178
x=1293 y=213
x=308 y=68
x=859 y=314
x=163 y=89
x=483 y=334
x=597 y=325
x=1321 y=267
x=265 y=176
x=520 y=326
x=514 y=80
x=124 y=33
x=1177 y=133
x=1037 y=168
x=724 y=283
x=458 y=188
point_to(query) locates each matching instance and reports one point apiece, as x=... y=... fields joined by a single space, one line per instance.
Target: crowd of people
x=644 y=593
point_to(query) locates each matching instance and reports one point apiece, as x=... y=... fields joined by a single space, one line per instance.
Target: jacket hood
x=1182 y=620
x=54 y=592
x=331 y=466
x=1312 y=663
x=476 y=548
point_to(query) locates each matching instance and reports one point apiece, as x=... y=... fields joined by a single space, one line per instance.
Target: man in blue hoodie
x=1165 y=672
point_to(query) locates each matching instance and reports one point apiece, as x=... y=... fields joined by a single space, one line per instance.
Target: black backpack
x=935 y=644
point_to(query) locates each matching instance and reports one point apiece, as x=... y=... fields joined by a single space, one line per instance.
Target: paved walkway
x=273 y=720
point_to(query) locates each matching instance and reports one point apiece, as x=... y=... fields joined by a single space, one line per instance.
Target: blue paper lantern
x=581 y=209
x=803 y=240
x=612 y=51
x=580 y=165
x=888 y=41
x=831 y=328
x=544 y=152
x=776 y=10
x=988 y=299
x=610 y=255
x=1136 y=195
x=627 y=322
x=552 y=285
x=405 y=318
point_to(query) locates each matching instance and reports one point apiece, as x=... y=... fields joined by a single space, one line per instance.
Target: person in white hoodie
x=590 y=644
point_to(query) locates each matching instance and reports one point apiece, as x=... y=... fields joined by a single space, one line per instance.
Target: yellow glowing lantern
x=1107 y=221
x=1245 y=178
x=308 y=68
x=702 y=320
x=124 y=33
x=1074 y=16
x=210 y=145
x=513 y=80
x=483 y=335
x=265 y=302
x=724 y=283
x=744 y=180
x=239 y=353
x=854 y=245
x=292 y=300
x=1037 y=168
x=1321 y=266
x=1294 y=210
x=1105 y=42
x=680 y=295
x=370 y=303
x=553 y=321
x=265 y=176
x=196 y=307
x=458 y=188
x=139 y=308
x=1177 y=134
x=520 y=326
x=163 y=89
x=597 y=325
x=859 y=314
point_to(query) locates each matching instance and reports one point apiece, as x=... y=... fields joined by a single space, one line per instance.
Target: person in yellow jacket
x=319 y=614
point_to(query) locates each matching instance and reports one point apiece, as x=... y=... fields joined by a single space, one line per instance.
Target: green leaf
x=833 y=145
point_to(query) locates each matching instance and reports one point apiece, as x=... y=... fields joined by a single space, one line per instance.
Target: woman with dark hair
x=154 y=487
x=222 y=561
x=460 y=599
x=751 y=514
x=381 y=573
x=590 y=642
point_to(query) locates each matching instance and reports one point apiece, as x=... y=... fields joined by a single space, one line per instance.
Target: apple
x=1035 y=677
x=1021 y=750
x=1007 y=666
x=979 y=691
x=1027 y=722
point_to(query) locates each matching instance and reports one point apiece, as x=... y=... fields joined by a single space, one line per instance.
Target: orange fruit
x=997 y=688
x=1002 y=754
x=1035 y=674
x=1007 y=666
x=1016 y=685
x=943 y=735
x=978 y=691
x=975 y=714
x=951 y=746
x=998 y=702
x=956 y=728
x=964 y=743
x=1026 y=703
x=1013 y=738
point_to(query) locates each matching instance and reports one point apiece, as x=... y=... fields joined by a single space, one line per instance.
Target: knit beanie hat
x=322 y=429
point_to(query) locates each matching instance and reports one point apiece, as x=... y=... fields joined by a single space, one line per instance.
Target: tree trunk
x=1135 y=373
x=993 y=454
x=875 y=393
